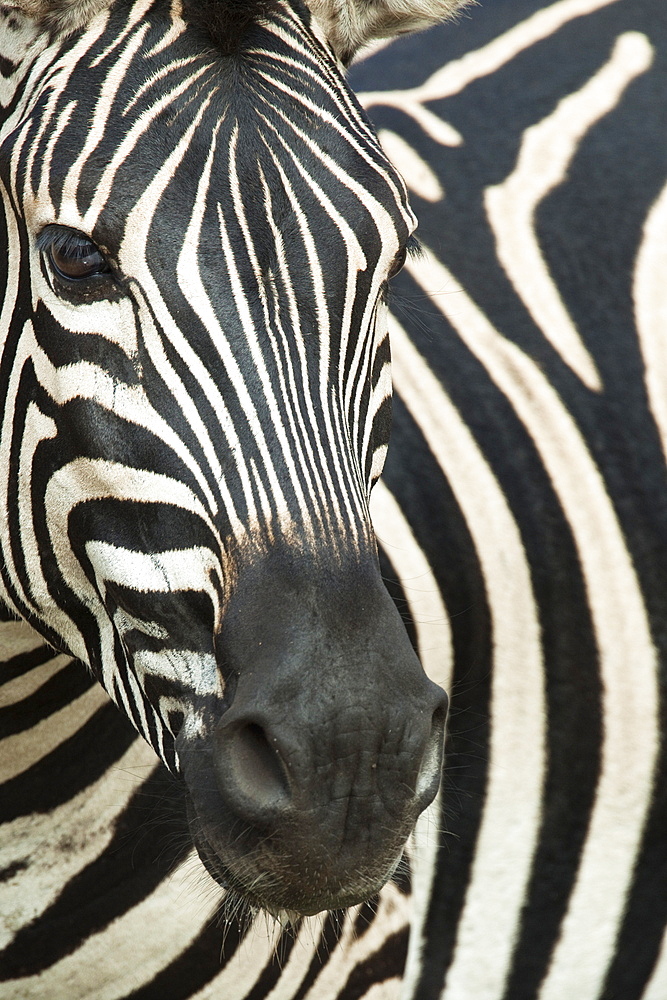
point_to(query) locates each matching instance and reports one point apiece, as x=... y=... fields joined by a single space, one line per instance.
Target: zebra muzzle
x=305 y=789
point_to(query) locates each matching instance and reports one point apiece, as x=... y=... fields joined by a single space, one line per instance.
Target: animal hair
x=61 y=17
x=225 y=21
x=349 y=24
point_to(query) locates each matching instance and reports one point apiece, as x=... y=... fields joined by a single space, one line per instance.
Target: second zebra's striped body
x=528 y=454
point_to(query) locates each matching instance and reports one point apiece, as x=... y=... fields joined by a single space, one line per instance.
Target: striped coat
x=522 y=523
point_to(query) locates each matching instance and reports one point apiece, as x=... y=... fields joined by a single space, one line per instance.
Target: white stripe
x=193 y=288
x=154 y=572
x=428 y=612
x=124 y=148
x=356 y=262
x=132 y=19
x=333 y=466
x=434 y=642
x=37 y=428
x=351 y=951
x=18 y=638
x=629 y=701
x=7 y=415
x=26 y=748
x=508 y=832
x=456 y=75
x=75 y=833
x=58 y=78
x=353 y=130
x=304 y=59
x=78 y=482
x=278 y=502
x=133 y=949
x=300 y=412
x=99 y=118
x=650 y=301
x=135 y=259
x=656 y=988
x=187 y=668
x=19 y=45
x=84 y=380
x=43 y=207
x=418 y=175
x=154 y=345
x=27 y=684
x=547 y=150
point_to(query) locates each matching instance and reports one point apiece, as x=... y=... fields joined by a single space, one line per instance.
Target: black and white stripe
x=225 y=430
x=523 y=521
x=149 y=360
x=530 y=412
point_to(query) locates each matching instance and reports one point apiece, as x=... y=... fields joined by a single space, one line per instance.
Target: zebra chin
x=304 y=786
x=290 y=892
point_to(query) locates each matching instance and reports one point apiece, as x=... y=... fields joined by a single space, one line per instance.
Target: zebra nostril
x=250 y=770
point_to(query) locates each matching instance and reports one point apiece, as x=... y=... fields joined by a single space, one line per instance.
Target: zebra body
x=528 y=408
x=522 y=518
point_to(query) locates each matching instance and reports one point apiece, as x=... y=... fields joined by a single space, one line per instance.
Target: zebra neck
x=21 y=42
x=45 y=697
x=49 y=702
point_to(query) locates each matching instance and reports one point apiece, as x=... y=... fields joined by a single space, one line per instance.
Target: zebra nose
x=251 y=772
x=269 y=772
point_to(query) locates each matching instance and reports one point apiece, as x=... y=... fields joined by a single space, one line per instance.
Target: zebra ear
x=349 y=24
x=60 y=16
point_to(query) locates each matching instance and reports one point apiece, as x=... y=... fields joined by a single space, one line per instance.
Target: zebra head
x=195 y=390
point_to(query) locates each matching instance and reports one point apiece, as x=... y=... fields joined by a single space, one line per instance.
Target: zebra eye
x=398 y=262
x=72 y=255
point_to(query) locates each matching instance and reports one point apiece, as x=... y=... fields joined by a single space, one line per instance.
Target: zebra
x=521 y=519
x=200 y=228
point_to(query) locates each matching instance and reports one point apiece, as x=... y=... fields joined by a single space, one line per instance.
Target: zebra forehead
x=273 y=123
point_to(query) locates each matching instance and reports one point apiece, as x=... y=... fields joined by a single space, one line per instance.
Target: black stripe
x=23 y=663
x=78 y=763
x=442 y=533
x=384 y=964
x=195 y=967
x=329 y=938
x=645 y=917
x=56 y=693
x=272 y=971
x=129 y=869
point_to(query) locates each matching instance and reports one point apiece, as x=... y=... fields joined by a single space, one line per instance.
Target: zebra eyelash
x=73 y=258
x=413 y=248
x=63 y=240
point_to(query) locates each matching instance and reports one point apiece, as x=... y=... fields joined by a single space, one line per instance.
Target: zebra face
x=196 y=399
